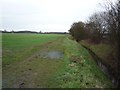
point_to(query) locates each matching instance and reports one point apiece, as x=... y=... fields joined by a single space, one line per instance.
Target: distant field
x=18 y=42
x=14 y=45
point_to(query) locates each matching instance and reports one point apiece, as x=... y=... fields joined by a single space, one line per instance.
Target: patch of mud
x=51 y=54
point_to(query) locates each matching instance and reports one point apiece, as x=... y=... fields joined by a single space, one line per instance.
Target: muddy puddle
x=51 y=54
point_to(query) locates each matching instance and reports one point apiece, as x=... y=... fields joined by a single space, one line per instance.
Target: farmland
x=17 y=45
x=28 y=64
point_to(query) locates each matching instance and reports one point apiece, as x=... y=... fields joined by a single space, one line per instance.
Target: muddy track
x=35 y=71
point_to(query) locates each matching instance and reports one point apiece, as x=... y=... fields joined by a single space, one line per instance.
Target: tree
x=40 y=32
x=95 y=26
x=113 y=23
x=77 y=30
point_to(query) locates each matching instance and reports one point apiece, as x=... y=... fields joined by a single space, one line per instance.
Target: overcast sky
x=45 y=15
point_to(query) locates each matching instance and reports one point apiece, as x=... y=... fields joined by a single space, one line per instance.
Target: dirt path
x=37 y=70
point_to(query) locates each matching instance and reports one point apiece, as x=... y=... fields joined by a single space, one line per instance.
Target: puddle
x=51 y=54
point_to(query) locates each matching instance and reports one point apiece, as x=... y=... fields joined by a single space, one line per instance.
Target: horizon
x=3 y=30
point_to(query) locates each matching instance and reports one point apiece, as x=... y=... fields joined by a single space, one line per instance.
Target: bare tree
x=113 y=24
x=97 y=26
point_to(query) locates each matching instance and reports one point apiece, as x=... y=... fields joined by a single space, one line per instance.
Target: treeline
x=5 y=31
x=101 y=26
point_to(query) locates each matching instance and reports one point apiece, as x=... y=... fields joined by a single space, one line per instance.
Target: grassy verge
x=80 y=70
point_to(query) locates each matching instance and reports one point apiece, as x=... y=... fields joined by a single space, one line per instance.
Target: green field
x=24 y=67
x=18 y=46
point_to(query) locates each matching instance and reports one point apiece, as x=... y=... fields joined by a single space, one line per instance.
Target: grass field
x=17 y=46
x=23 y=65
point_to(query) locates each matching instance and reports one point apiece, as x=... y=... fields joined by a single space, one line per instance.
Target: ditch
x=105 y=68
